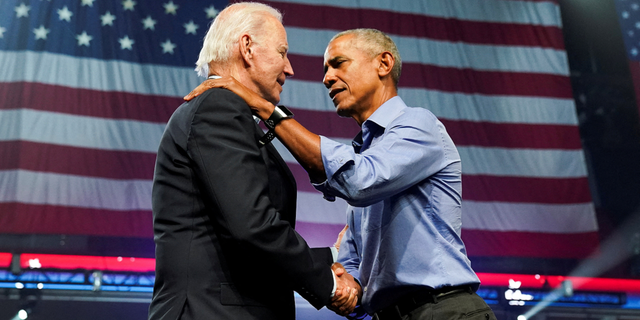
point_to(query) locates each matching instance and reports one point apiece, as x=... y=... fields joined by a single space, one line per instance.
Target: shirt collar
x=381 y=118
x=386 y=112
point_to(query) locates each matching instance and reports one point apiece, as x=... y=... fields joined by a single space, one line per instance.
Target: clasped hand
x=348 y=292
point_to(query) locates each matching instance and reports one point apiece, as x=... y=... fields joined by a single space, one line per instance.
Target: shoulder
x=219 y=100
x=220 y=108
x=219 y=96
x=416 y=116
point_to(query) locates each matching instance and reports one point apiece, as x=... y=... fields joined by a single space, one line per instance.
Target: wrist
x=265 y=110
x=279 y=113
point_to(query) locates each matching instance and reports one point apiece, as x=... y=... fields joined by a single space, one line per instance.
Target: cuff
x=335 y=284
x=334 y=253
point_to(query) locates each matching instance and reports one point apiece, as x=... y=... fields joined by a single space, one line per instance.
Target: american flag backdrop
x=629 y=18
x=87 y=86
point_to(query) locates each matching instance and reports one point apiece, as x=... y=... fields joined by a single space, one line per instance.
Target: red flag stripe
x=501 y=189
x=526 y=190
x=489 y=243
x=86 y=102
x=529 y=244
x=448 y=79
x=464 y=133
x=52 y=158
x=21 y=218
x=512 y=135
x=115 y=164
x=417 y=25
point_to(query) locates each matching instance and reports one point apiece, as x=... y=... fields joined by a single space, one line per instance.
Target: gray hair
x=374 y=42
x=226 y=29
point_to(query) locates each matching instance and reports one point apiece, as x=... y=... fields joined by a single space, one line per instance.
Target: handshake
x=348 y=292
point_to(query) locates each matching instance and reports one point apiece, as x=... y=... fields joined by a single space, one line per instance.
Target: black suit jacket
x=224 y=216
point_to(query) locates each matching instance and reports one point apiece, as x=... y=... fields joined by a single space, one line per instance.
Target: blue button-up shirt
x=402 y=180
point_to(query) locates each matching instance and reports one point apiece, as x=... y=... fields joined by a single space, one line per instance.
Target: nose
x=329 y=78
x=288 y=69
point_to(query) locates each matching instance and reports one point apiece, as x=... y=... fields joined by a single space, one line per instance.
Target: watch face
x=279 y=113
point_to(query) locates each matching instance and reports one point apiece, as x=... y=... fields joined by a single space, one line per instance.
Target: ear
x=386 y=63
x=246 y=49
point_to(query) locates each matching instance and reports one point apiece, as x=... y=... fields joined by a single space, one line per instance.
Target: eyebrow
x=332 y=61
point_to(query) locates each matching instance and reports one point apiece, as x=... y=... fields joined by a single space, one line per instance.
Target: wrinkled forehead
x=337 y=47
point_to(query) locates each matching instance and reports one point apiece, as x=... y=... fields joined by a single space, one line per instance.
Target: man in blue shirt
x=401 y=178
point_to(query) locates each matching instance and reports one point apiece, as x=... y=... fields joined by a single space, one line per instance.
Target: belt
x=412 y=301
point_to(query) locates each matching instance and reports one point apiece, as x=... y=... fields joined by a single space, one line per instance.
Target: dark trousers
x=462 y=305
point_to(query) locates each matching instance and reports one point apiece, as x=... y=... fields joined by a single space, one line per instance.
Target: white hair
x=227 y=28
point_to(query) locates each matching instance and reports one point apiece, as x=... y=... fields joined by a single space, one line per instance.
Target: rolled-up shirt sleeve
x=334 y=156
x=412 y=149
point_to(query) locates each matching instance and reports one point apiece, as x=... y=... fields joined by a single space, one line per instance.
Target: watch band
x=270 y=135
x=279 y=113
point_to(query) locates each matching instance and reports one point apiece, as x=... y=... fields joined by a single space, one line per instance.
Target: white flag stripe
x=540 y=163
x=177 y=81
x=313 y=208
x=313 y=42
x=534 y=163
x=74 y=191
x=452 y=106
x=544 y=13
x=495 y=216
x=74 y=72
x=548 y=218
x=108 y=134
x=79 y=131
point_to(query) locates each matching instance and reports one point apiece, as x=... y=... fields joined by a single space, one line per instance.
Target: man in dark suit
x=224 y=201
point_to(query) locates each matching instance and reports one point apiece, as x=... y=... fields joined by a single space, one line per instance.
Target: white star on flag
x=149 y=23
x=107 y=19
x=22 y=10
x=168 y=46
x=83 y=39
x=211 y=12
x=128 y=4
x=126 y=43
x=65 y=14
x=170 y=8
x=190 y=27
x=2 y=30
x=87 y=3
x=41 y=33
